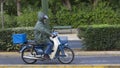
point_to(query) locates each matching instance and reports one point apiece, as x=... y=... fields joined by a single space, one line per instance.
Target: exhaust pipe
x=30 y=57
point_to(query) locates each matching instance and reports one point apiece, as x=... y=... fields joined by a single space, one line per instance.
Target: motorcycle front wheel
x=27 y=55
x=69 y=56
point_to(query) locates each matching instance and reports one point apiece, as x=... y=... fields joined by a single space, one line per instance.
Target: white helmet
x=45 y=17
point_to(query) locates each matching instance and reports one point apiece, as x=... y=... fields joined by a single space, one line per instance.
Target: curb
x=95 y=53
x=77 y=52
x=60 y=66
x=98 y=53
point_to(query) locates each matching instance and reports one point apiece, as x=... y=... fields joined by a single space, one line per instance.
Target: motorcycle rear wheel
x=28 y=52
x=69 y=56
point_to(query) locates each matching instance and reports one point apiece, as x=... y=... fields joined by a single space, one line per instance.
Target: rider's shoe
x=46 y=57
x=38 y=56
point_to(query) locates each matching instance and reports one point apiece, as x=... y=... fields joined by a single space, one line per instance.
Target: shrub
x=27 y=18
x=100 y=37
x=9 y=21
x=102 y=14
x=85 y=15
x=6 y=43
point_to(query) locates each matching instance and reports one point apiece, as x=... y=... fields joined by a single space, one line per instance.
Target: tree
x=2 y=13
x=18 y=7
x=67 y=4
x=94 y=2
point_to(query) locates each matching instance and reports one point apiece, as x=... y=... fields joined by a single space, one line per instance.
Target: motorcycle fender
x=24 y=47
x=62 y=49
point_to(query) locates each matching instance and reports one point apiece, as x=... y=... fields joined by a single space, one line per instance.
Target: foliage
x=10 y=21
x=102 y=14
x=86 y=15
x=10 y=7
x=62 y=17
x=102 y=37
x=82 y=13
x=28 y=18
x=6 y=43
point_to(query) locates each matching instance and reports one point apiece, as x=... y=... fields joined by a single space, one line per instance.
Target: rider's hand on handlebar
x=52 y=35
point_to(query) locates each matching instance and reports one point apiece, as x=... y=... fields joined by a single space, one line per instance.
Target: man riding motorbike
x=42 y=34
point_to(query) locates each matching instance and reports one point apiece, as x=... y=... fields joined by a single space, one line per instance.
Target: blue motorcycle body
x=60 y=51
x=40 y=48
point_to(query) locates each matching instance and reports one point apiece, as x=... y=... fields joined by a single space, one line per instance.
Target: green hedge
x=6 y=43
x=100 y=37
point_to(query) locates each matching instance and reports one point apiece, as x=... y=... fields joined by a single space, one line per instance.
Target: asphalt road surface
x=16 y=59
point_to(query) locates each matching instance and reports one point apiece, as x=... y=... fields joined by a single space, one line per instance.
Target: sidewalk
x=81 y=53
x=71 y=36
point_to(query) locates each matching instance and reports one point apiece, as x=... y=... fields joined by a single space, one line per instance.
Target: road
x=15 y=59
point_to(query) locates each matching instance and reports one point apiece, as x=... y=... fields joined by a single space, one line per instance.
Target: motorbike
x=30 y=52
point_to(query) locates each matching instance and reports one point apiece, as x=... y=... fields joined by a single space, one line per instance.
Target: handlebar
x=54 y=34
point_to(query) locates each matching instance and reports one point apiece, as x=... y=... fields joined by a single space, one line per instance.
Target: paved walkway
x=71 y=36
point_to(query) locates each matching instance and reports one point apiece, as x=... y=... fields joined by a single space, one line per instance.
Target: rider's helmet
x=42 y=16
x=45 y=17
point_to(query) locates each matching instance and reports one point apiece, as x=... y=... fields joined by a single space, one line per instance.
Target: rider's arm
x=46 y=31
x=40 y=27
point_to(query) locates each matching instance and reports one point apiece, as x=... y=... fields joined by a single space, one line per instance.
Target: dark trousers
x=49 y=46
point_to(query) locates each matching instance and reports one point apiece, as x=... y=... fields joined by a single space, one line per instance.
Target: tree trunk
x=2 y=13
x=95 y=2
x=67 y=4
x=18 y=8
